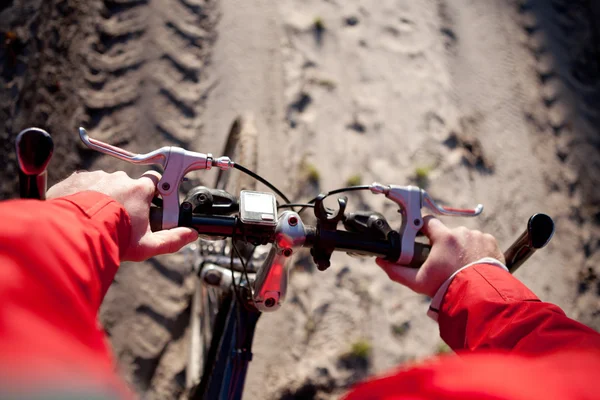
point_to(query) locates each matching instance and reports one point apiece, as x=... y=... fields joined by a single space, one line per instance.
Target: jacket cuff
x=436 y=302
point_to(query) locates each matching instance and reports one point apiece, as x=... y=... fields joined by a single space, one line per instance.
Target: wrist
x=438 y=297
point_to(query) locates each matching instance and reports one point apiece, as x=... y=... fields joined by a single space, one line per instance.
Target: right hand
x=451 y=249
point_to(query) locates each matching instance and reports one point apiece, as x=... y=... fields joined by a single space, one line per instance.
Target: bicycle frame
x=230 y=352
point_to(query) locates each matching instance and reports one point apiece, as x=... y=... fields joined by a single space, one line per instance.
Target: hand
x=135 y=195
x=451 y=249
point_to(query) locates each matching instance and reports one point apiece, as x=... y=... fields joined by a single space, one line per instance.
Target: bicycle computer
x=258 y=208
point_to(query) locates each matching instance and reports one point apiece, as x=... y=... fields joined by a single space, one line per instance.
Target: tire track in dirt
x=564 y=39
x=146 y=70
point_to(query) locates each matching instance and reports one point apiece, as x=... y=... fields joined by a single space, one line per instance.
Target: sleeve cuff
x=436 y=302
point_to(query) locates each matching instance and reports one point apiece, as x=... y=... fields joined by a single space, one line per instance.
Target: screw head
x=287 y=252
x=201 y=197
x=166 y=186
x=186 y=206
x=270 y=302
x=293 y=221
x=417 y=222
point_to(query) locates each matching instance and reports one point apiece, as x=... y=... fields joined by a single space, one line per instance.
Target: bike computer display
x=258 y=208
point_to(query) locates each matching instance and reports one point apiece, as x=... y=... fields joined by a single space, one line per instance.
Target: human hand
x=135 y=195
x=451 y=249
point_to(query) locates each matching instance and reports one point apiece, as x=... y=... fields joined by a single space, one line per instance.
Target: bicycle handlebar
x=350 y=242
x=539 y=231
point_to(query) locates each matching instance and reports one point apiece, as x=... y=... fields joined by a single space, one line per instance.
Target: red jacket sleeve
x=488 y=308
x=57 y=260
x=511 y=346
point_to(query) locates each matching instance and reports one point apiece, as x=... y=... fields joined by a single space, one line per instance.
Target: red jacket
x=58 y=258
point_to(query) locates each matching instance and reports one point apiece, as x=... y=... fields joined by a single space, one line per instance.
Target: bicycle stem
x=270 y=286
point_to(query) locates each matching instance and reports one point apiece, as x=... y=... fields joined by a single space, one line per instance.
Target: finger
x=167 y=241
x=433 y=228
x=150 y=179
x=403 y=275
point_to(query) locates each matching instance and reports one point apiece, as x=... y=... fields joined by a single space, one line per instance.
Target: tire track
x=144 y=70
x=564 y=38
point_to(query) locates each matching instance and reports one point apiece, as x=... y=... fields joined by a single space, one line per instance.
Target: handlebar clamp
x=322 y=252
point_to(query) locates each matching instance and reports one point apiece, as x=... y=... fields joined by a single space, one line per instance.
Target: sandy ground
x=492 y=102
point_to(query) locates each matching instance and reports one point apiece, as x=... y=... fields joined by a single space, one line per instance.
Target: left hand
x=135 y=195
x=451 y=249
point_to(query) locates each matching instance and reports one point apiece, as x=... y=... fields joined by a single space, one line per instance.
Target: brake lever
x=411 y=200
x=176 y=162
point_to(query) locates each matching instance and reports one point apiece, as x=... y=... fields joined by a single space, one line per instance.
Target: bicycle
x=233 y=290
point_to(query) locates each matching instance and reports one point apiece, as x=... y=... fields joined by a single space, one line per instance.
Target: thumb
x=403 y=275
x=167 y=241
x=433 y=228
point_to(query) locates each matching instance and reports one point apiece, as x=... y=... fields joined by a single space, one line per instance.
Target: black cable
x=244 y=267
x=235 y=289
x=344 y=189
x=288 y=205
x=336 y=191
x=262 y=180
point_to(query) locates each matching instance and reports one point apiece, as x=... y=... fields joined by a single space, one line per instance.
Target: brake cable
x=239 y=255
x=288 y=203
x=261 y=180
x=335 y=191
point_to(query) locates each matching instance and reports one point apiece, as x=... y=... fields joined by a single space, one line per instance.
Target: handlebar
x=351 y=242
x=539 y=231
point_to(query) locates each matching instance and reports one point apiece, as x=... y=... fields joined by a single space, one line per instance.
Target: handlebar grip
x=540 y=229
x=34 y=149
x=156 y=214
x=422 y=251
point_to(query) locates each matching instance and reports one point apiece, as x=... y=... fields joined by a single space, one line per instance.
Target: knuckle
x=489 y=238
x=451 y=240
x=462 y=230
x=145 y=186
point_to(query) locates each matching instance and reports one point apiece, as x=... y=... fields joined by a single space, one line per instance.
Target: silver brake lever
x=451 y=211
x=176 y=163
x=411 y=200
x=156 y=157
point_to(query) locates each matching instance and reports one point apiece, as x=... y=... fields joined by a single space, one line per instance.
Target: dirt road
x=492 y=102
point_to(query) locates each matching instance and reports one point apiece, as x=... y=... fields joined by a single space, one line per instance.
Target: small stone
x=351 y=21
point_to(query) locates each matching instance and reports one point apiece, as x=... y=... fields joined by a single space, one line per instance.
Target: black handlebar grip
x=156 y=215
x=540 y=229
x=422 y=251
x=34 y=148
